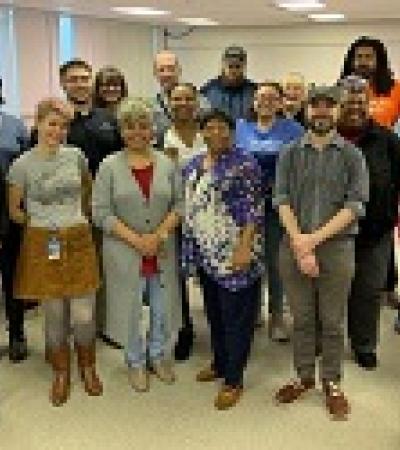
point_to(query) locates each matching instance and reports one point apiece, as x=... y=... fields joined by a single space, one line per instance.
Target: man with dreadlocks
x=367 y=58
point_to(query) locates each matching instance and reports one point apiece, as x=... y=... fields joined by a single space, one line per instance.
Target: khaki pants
x=336 y=261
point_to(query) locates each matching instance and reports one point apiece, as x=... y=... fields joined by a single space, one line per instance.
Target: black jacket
x=3 y=206
x=381 y=149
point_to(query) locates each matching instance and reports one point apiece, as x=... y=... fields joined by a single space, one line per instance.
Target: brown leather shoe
x=60 y=389
x=227 y=397
x=87 y=369
x=206 y=375
x=294 y=390
x=336 y=402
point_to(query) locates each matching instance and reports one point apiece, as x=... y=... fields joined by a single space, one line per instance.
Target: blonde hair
x=53 y=105
x=134 y=109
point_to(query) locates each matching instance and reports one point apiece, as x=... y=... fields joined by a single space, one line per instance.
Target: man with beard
x=381 y=149
x=231 y=92
x=321 y=188
x=95 y=131
x=367 y=58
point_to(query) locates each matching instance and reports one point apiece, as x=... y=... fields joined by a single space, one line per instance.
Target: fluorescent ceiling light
x=198 y=21
x=139 y=11
x=301 y=5
x=326 y=17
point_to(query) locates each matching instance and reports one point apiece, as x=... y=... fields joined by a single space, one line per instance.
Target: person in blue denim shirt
x=13 y=141
x=264 y=138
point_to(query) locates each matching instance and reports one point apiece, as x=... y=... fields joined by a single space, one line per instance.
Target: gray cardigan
x=117 y=195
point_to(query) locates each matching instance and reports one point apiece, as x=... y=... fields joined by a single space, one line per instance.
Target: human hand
x=303 y=244
x=241 y=258
x=308 y=265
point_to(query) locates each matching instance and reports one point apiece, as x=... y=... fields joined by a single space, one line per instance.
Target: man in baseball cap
x=231 y=92
x=321 y=191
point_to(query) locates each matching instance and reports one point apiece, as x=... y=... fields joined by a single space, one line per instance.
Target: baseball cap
x=324 y=92
x=235 y=52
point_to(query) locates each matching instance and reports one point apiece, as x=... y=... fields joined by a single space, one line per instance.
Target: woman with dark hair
x=182 y=142
x=367 y=57
x=110 y=88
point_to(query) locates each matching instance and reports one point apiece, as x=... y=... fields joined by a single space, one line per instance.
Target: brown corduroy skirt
x=75 y=274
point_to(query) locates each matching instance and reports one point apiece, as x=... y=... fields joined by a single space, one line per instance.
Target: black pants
x=14 y=307
x=186 y=318
x=391 y=281
x=364 y=302
x=231 y=316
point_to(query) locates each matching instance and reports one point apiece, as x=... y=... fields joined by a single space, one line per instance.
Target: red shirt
x=144 y=178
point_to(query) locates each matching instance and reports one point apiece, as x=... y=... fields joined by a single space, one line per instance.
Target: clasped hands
x=303 y=246
x=148 y=244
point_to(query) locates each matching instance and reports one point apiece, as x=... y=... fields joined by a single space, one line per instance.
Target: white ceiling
x=225 y=12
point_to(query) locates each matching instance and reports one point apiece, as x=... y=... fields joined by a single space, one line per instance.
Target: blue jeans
x=273 y=235
x=156 y=340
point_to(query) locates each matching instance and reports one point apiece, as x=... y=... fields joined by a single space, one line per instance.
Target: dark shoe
x=294 y=390
x=87 y=369
x=367 y=361
x=336 y=402
x=18 y=350
x=108 y=341
x=61 y=385
x=184 y=346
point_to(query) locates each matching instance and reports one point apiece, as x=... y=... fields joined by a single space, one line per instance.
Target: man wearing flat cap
x=231 y=92
x=321 y=191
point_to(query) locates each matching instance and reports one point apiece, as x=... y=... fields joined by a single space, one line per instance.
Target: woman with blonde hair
x=57 y=261
x=136 y=202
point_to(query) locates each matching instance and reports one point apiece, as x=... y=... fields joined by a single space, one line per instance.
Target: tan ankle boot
x=60 y=389
x=87 y=369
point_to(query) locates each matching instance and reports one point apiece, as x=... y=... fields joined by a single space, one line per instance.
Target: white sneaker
x=139 y=379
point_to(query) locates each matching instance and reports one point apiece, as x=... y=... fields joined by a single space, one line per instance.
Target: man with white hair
x=167 y=71
x=295 y=91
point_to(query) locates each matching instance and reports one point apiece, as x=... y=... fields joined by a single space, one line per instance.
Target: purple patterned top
x=218 y=204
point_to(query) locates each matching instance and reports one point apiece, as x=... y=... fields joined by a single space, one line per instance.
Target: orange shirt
x=385 y=109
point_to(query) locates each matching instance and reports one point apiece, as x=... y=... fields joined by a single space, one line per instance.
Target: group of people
x=113 y=203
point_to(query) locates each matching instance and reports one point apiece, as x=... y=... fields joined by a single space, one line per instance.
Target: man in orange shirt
x=367 y=58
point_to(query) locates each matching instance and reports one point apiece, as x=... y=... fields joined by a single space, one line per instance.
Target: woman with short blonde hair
x=57 y=261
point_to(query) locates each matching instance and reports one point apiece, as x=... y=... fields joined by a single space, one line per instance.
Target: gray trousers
x=62 y=314
x=372 y=260
x=331 y=288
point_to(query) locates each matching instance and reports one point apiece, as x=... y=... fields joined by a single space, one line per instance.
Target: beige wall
x=315 y=50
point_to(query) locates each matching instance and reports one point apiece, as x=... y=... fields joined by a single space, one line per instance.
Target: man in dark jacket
x=231 y=92
x=381 y=149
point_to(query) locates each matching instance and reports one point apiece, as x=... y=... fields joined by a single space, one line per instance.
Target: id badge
x=54 y=248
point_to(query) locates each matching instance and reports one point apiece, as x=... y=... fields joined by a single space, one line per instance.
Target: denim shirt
x=13 y=138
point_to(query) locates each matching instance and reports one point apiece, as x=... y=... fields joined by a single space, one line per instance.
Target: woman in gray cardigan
x=136 y=202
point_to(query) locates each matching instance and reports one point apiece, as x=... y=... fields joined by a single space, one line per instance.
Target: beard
x=321 y=127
